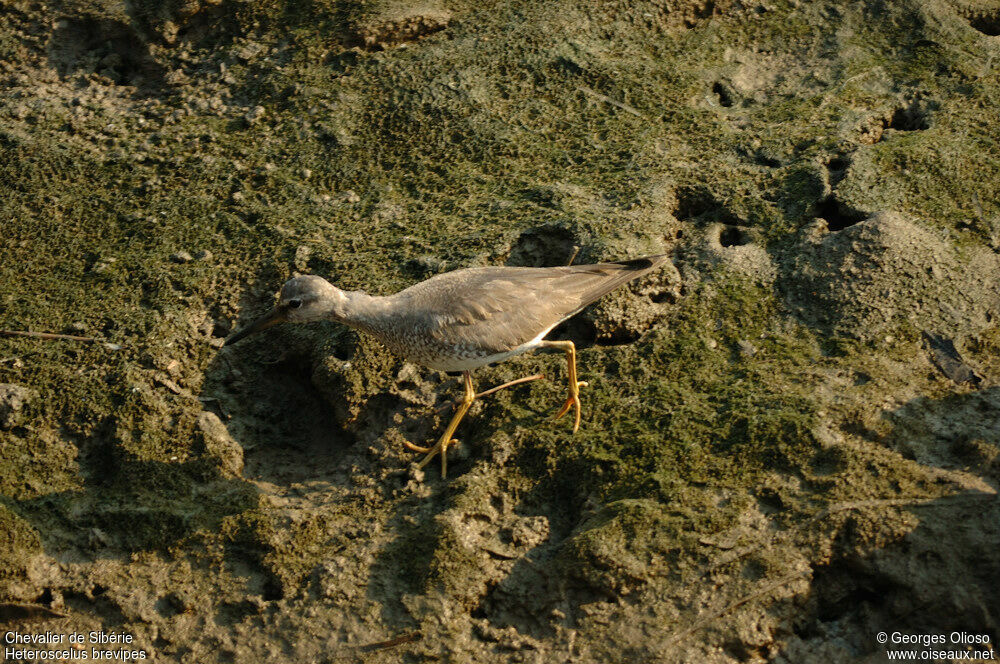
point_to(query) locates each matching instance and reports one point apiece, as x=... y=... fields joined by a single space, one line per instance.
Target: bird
x=461 y=320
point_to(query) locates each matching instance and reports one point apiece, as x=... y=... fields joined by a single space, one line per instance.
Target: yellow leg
x=574 y=385
x=455 y=404
x=446 y=438
x=484 y=393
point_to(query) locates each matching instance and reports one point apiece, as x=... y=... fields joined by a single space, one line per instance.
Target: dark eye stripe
x=295 y=304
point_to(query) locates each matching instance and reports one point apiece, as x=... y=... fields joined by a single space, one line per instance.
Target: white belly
x=468 y=361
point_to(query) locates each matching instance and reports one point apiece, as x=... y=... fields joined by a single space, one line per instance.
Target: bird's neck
x=357 y=309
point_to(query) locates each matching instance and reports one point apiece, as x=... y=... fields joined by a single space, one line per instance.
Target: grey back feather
x=492 y=310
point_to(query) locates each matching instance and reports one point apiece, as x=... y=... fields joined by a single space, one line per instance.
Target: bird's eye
x=295 y=304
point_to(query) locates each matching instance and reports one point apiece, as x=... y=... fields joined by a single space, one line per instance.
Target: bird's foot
x=440 y=448
x=415 y=448
x=573 y=402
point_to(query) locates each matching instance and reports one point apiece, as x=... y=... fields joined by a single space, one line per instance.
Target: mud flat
x=791 y=441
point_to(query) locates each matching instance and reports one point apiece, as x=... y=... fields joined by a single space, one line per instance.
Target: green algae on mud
x=275 y=137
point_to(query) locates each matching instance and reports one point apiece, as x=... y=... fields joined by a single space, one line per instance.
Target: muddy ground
x=791 y=440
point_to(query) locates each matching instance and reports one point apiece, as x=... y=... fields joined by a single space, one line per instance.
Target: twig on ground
x=597 y=95
x=399 y=640
x=58 y=337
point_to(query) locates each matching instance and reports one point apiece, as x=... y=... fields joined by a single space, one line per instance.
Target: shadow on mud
x=145 y=506
x=934 y=574
x=938 y=578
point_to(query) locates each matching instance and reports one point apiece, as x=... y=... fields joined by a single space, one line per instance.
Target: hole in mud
x=583 y=333
x=829 y=461
x=288 y=430
x=618 y=338
x=272 y=591
x=744 y=652
x=106 y=47
x=842 y=590
x=698 y=203
x=733 y=236
x=988 y=24
x=664 y=297
x=700 y=13
x=343 y=352
x=837 y=215
x=764 y=160
x=544 y=246
x=169 y=606
x=769 y=501
x=578 y=329
x=838 y=164
x=837 y=169
x=723 y=92
x=908 y=118
x=974 y=452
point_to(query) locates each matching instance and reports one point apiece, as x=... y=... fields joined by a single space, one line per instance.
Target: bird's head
x=301 y=300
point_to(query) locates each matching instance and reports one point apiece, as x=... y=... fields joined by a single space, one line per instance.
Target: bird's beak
x=273 y=317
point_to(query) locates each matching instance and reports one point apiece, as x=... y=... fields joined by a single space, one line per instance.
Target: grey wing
x=494 y=313
x=494 y=310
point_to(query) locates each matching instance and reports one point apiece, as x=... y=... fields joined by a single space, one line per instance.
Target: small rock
x=305 y=173
x=350 y=197
x=747 y=349
x=302 y=254
x=12 y=400
x=176 y=77
x=181 y=257
x=102 y=265
x=203 y=255
x=255 y=114
x=427 y=264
